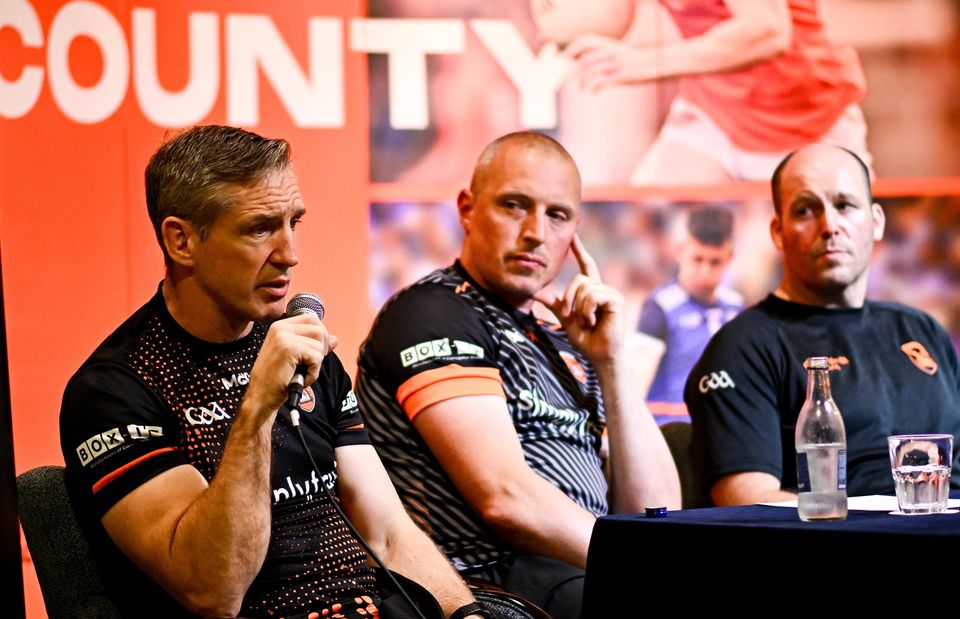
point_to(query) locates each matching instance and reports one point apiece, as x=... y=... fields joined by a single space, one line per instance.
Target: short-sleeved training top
x=445 y=337
x=153 y=397
x=893 y=371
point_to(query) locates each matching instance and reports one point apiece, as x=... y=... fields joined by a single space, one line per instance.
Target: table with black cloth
x=737 y=557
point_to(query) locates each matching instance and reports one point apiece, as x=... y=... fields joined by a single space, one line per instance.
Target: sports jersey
x=153 y=397
x=445 y=337
x=685 y=324
x=781 y=103
x=893 y=371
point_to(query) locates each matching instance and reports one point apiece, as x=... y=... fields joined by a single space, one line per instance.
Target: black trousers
x=554 y=586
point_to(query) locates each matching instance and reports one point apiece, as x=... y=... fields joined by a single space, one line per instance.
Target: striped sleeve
x=445 y=383
x=429 y=345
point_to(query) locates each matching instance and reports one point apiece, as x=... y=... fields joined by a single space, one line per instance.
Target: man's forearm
x=643 y=471
x=203 y=543
x=533 y=515
x=221 y=541
x=410 y=552
x=729 y=45
x=492 y=475
x=747 y=488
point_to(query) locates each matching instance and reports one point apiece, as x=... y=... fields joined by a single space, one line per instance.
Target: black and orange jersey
x=893 y=371
x=153 y=397
x=444 y=337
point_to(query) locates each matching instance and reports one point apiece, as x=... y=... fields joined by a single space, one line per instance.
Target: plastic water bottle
x=821 y=443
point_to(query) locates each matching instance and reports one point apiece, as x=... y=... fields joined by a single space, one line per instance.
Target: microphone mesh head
x=305 y=302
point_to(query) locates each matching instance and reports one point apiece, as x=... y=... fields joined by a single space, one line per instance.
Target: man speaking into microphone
x=182 y=458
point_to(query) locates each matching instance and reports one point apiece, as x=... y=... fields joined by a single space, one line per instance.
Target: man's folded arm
x=474 y=440
x=748 y=487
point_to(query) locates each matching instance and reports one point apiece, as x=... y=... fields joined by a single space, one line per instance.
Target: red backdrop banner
x=88 y=90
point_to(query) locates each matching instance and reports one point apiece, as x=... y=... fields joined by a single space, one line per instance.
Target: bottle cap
x=817 y=363
x=656 y=512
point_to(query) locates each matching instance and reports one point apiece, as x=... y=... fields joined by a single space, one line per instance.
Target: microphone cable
x=295 y=422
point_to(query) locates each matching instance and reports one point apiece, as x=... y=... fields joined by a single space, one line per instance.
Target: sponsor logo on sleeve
x=467 y=349
x=205 y=415
x=439 y=349
x=349 y=402
x=716 y=380
x=425 y=350
x=917 y=353
x=99 y=444
x=144 y=433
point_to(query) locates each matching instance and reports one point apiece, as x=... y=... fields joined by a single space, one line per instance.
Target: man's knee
x=555 y=586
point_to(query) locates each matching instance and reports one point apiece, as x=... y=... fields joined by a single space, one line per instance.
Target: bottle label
x=842 y=469
x=803 y=473
x=825 y=464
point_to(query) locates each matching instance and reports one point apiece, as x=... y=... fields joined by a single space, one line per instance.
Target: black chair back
x=679 y=437
x=69 y=578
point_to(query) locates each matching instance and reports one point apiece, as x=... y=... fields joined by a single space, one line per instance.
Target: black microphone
x=301 y=303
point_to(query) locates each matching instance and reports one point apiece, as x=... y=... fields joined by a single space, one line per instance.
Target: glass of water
x=921 y=471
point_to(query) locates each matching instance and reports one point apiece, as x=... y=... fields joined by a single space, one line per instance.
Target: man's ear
x=776 y=230
x=179 y=239
x=879 y=221
x=465 y=208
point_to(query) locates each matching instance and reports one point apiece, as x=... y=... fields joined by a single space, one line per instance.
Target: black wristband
x=473 y=608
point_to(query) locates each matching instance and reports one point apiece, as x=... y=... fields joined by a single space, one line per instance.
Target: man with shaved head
x=489 y=420
x=894 y=370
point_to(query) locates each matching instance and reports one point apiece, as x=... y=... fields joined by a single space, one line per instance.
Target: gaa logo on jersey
x=308 y=400
x=205 y=415
x=574 y=366
x=716 y=380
